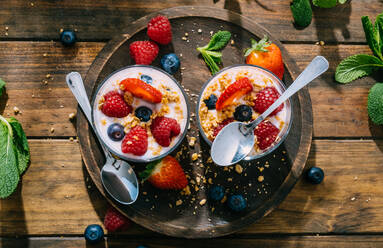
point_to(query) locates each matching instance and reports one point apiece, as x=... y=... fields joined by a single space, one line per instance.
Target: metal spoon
x=117 y=176
x=235 y=141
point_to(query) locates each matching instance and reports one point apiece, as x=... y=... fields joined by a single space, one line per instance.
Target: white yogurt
x=102 y=122
x=260 y=79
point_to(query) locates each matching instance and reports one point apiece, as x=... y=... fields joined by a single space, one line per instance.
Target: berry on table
x=315 y=175
x=114 y=220
x=243 y=113
x=210 y=102
x=114 y=105
x=68 y=37
x=116 y=132
x=265 y=98
x=266 y=134
x=216 y=193
x=143 y=113
x=94 y=233
x=135 y=141
x=237 y=203
x=170 y=63
x=147 y=79
x=143 y=52
x=159 y=30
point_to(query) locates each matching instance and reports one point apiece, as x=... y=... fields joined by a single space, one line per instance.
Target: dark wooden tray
x=156 y=209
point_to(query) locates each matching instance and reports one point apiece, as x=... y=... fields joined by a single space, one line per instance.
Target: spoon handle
x=317 y=66
x=76 y=85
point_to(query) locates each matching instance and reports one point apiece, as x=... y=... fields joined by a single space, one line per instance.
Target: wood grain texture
x=102 y=20
x=54 y=197
x=338 y=110
x=358 y=241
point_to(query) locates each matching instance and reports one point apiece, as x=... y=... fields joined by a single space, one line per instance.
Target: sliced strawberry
x=232 y=93
x=165 y=174
x=141 y=90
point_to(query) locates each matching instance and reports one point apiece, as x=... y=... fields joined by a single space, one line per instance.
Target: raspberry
x=221 y=125
x=266 y=134
x=114 y=105
x=159 y=30
x=265 y=98
x=114 y=220
x=163 y=129
x=135 y=142
x=143 y=52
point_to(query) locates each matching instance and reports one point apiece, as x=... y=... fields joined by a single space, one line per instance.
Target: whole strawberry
x=164 y=129
x=221 y=125
x=114 y=105
x=135 y=141
x=165 y=174
x=266 y=134
x=114 y=220
x=159 y=30
x=143 y=52
x=265 y=98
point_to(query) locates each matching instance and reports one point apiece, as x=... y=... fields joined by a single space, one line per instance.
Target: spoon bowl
x=235 y=141
x=117 y=176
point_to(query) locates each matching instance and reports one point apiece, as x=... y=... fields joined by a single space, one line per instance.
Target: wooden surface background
x=56 y=199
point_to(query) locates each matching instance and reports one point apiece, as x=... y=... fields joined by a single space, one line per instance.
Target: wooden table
x=57 y=200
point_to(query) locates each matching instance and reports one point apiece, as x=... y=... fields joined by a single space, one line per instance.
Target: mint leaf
x=9 y=174
x=375 y=103
x=2 y=85
x=372 y=36
x=210 y=62
x=21 y=144
x=342 y=1
x=218 y=41
x=379 y=30
x=325 y=3
x=302 y=12
x=356 y=66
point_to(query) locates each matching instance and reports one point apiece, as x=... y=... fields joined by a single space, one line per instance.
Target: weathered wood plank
x=54 y=196
x=359 y=241
x=339 y=110
x=101 y=20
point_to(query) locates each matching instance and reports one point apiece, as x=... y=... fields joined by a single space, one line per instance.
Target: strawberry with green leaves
x=267 y=55
x=166 y=173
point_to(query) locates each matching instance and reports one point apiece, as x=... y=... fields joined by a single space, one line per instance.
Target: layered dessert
x=242 y=93
x=140 y=113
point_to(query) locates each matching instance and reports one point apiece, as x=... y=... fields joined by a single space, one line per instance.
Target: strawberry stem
x=258 y=46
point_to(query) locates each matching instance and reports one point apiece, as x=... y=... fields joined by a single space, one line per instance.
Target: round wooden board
x=157 y=210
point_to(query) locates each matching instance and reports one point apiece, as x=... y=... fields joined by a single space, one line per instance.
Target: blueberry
x=94 y=233
x=216 y=193
x=210 y=102
x=68 y=37
x=143 y=113
x=243 y=113
x=315 y=175
x=116 y=132
x=147 y=79
x=237 y=203
x=170 y=63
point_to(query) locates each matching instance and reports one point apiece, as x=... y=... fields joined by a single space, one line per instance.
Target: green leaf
x=21 y=144
x=302 y=12
x=218 y=41
x=9 y=174
x=356 y=66
x=325 y=3
x=379 y=30
x=342 y=1
x=148 y=170
x=375 y=103
x=372 y=36
x=2 y=85
x=210 y=62
x=258 y=46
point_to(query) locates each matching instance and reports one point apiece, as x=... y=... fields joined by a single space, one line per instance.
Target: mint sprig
x=14 y=153
x=361 y=65
x=375 y=103
x=210 y=53
x=2 y=85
